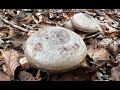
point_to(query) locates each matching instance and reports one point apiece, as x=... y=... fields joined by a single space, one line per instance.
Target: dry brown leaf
x=11 y=58
x=94 y=77
x=28 y=19
x=23 y=60
x=4 y=30
x=25 y=76
x=16 y=33
x=4 y=76
x=19 y=41
x=111 y=44
x=78 y=74
x=25 y=64
x=37 y=76
x=108 y=30
x=115 y=74
x=98 y=54
x=101 y=54
x=108 y=19
x=1 y=60
x=93 y=43
x=31 y=32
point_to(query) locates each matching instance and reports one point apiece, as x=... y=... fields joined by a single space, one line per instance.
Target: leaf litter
x=103 y=56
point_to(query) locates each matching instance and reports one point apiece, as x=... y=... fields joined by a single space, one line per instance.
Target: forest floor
x=103 y=60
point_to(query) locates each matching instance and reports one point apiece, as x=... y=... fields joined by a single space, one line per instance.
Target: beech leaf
x=4 y=77
x=98 y=54
x=11 y=58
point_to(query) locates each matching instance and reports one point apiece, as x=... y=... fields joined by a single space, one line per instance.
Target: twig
x=27 y=26
x=92 y=36
x=13 y=25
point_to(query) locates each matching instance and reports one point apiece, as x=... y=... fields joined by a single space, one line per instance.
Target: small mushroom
x=68 y=25
x=86 y=23
x=55 y=49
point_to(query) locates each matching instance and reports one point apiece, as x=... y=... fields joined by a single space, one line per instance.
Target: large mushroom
x=55 y=49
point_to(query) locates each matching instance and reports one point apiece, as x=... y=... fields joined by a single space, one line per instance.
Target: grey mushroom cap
x=68 y=25
x=55 y=49
x=86 y=23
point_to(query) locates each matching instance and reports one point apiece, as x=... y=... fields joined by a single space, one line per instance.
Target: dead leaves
x=37 y=77
x=79 y=74
x=24 y=63
x=4 y=76
x=99 y=47
x=11 y=58
x=98 y=54
x=25 y=76
x=115 y=74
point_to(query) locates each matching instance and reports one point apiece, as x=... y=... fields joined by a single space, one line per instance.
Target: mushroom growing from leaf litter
x=55 y=49
x=68 y=25
x=86 y=23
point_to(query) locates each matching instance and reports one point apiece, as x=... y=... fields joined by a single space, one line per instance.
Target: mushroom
x=68 y=25
x=55 y=49
x=86 y=23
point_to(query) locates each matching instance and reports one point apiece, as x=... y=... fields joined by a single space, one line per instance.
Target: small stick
x=13 y=25
x=92 y=36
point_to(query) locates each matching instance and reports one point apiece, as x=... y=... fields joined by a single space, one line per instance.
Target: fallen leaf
x=115 y=74
x=78 y=74
x=16 y=33
x=109 y=20
x=37 y=76
x=28 y=19
x=108 y=30
x=94 y=77
x=25 y=64
x=117 y=58
x=4 y=30
x=110 y=44
x=23 y=60
x=101 y=54
x=11 y=58
x=31 y=32
x=92 y=43
x=18 y=41
x=25 y=76
x=4 y=76
x=1 y=62
x=98 y=54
